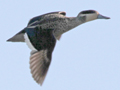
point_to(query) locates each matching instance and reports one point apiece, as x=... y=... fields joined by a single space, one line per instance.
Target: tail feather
x=19 y=37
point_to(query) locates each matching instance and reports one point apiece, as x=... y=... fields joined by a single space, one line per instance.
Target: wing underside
x=39 y=64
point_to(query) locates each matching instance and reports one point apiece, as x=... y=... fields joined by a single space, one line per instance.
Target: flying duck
x=41 y=34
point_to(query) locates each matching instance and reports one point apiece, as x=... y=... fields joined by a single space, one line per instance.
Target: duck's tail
x=19 y=37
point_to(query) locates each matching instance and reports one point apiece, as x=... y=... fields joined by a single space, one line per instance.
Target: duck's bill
x=102 y=17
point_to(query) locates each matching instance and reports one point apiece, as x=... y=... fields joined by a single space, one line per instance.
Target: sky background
x=86 y=58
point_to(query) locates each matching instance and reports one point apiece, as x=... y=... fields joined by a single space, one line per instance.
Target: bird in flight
x=41 y=34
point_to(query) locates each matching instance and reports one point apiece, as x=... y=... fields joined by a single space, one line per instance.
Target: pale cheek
x=91 y=17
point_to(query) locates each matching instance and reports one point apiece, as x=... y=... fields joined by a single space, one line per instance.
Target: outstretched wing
x=43 y=41
x=39 y=64
x=38 y=18
x=19 y=37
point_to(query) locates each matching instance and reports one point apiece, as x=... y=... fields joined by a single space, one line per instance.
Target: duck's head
x=89 y=15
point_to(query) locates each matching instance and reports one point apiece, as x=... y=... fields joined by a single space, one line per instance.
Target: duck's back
x=19 y=37
x=46 y=16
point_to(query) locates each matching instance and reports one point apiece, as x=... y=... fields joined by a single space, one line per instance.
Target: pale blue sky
x=86 y=58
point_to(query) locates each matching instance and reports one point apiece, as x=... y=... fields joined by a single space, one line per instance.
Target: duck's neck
x=68 y=24
x=73 y=22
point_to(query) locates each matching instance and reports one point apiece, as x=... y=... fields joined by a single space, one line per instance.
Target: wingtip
x=41 y=80
x=40 y=83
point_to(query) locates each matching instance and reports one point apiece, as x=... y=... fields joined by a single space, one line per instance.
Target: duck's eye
x=88 y=12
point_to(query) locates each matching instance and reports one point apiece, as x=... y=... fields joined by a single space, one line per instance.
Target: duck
x=41 y=35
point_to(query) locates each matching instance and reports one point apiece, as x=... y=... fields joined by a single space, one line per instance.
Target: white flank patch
x=28 y=42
